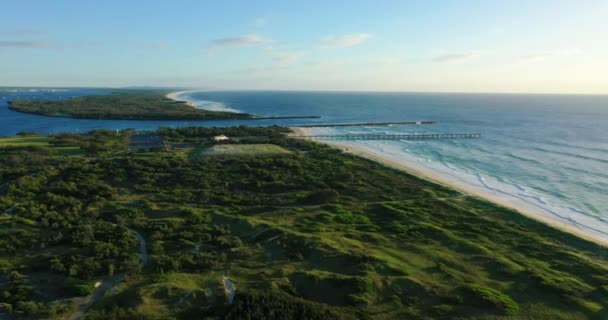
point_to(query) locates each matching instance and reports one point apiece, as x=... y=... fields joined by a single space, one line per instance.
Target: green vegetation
x=130 y=105
x=305 y=233
x=25 y=141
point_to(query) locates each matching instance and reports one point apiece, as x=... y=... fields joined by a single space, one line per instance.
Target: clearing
x=24 y=141
x=244 y=149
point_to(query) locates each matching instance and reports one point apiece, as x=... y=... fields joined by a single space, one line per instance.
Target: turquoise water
x=546 y=152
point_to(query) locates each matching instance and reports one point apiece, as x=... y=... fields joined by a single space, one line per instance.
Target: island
x=130 y=105
x=251 y=223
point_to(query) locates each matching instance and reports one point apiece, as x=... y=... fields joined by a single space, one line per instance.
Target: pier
x=362 y=124
x=378 y=136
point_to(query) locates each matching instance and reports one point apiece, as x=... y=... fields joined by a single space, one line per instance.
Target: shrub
x=484 y=296
x=27 y=133
x=273 y=304
x=75 y=287
x=323 y=196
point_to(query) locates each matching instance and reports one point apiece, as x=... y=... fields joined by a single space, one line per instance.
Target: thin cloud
x=455 y=57
x=24 y=44
x=22 y=32
x=288 y=59
x=244 y=41
x=344 y=41
x=152 y=45
x=260 y=22
x=541 y=56
x=384 y=61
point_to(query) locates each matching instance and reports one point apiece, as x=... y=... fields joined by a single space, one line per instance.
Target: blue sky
x=466 y=46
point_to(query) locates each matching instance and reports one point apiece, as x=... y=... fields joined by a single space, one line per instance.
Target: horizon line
x=180 y=88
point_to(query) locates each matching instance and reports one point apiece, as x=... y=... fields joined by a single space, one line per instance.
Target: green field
x=312 y=234
x=41 y=141
x=35 y=144
x=244 y=149
x=32 y=147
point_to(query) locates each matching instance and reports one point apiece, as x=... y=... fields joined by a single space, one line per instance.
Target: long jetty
x=376 y=136
x=361 y=124
x=283 y=117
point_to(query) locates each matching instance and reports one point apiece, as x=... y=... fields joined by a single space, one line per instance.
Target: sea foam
x=201 y=104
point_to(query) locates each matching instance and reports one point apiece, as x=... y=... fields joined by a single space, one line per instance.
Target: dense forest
x=122 y=105
x=89 y=229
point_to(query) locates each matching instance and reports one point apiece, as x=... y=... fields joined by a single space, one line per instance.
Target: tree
x=323 y=196
x=15 y=277
x=56 y=265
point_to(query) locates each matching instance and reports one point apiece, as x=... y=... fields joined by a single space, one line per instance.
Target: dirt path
x=85 y=303
x=229 y=289
x=142 y=248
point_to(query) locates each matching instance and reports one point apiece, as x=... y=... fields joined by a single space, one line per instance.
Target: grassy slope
x=383 y=245
x=145 y=105
x=14 y=145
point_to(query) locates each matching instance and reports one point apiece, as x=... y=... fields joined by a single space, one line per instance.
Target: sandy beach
x=298 y=131
x=437 y=178
x=175 y=96
x=200 y=104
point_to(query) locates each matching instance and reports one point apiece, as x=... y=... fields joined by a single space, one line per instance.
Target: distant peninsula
x=127 y=105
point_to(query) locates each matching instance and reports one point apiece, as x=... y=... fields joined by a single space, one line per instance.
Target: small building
x=220 y=138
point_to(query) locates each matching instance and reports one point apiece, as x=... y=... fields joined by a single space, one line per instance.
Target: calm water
x=548 y=151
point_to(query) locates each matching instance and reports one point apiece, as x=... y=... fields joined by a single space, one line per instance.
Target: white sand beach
x=176 y=96
x=199 y=104
x=299 y=131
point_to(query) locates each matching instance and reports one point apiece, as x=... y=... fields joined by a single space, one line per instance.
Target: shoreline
x=299 y=131
x=220 y=107
x=445 y=181
x=204 y=105
x=173 y=96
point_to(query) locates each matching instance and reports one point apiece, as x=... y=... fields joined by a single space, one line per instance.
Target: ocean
x=547 y=153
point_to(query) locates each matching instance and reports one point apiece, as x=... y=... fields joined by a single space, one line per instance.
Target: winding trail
x=229 y=289
x=85 y=303
x=142 y=248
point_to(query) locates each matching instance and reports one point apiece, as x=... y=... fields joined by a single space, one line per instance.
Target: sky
x=527 y=46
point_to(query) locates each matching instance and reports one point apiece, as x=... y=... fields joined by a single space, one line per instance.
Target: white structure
x=220 y=138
